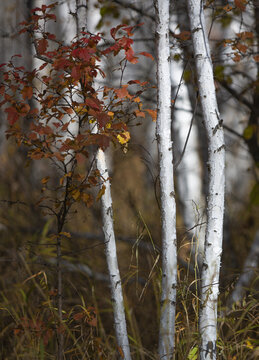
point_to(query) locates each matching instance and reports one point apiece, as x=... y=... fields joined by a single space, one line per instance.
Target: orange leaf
x=16 y=331
x=227 y=8
x=45 y=180
x=24 y=109
x=242 y=48
x=147 y=55
x=140 y=113
x=68 y=110
x=137 y=99
x=236 y=58
x=122 y=92
x=59 y=156
x=27 y=92
x=121 y=352
x=245 y=35
x=152 y=113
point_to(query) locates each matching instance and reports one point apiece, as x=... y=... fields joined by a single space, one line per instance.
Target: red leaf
x=51 y=36
x=102 y=119
x=13 y=115
x=84 y=54
x=115 y=29
x=128 y=30
x=93 y=103
x=33 y=136
x=184 y=35
x=43 y=66
x=134 y=82
x=130 y=56
x=125 y=42
x=42 y=45
x=147 y=55
x=76 y=72
x=65 y=126
x=241 y=4
x=79 y=316
x=2 y=90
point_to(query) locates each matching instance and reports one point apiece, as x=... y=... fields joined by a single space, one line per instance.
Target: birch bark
x=216 y=170
x=108 y=230
x=111 y=258
x=189 y=172
x=166 y=175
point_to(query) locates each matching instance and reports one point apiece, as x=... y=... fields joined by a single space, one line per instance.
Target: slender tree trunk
x=60 y=337
x=108 y=229
x=216 y=170
x=188 y=167
x=166 y=174
x=111 y=257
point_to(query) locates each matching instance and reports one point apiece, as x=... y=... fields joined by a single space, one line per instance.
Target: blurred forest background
x=28 y=270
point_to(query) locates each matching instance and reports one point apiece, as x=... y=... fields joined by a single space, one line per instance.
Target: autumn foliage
x=58 y=112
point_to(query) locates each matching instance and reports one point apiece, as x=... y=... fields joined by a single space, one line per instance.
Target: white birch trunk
x=189 y=171
x=166 y=174
x=108 y=230
x=216 y=170
x=111 y=257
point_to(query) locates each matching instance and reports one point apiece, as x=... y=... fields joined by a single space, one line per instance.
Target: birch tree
x=216 y=171
x=166 y=176
x=188 y=165
x=109 y=236
x=111 y=258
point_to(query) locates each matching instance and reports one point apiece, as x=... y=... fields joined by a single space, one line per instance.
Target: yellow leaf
x=76 y=194
x=124 y=137
x=81 y=109
x=100 y=193
x=85 y=197
x=249 y=345
x=110 y=113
